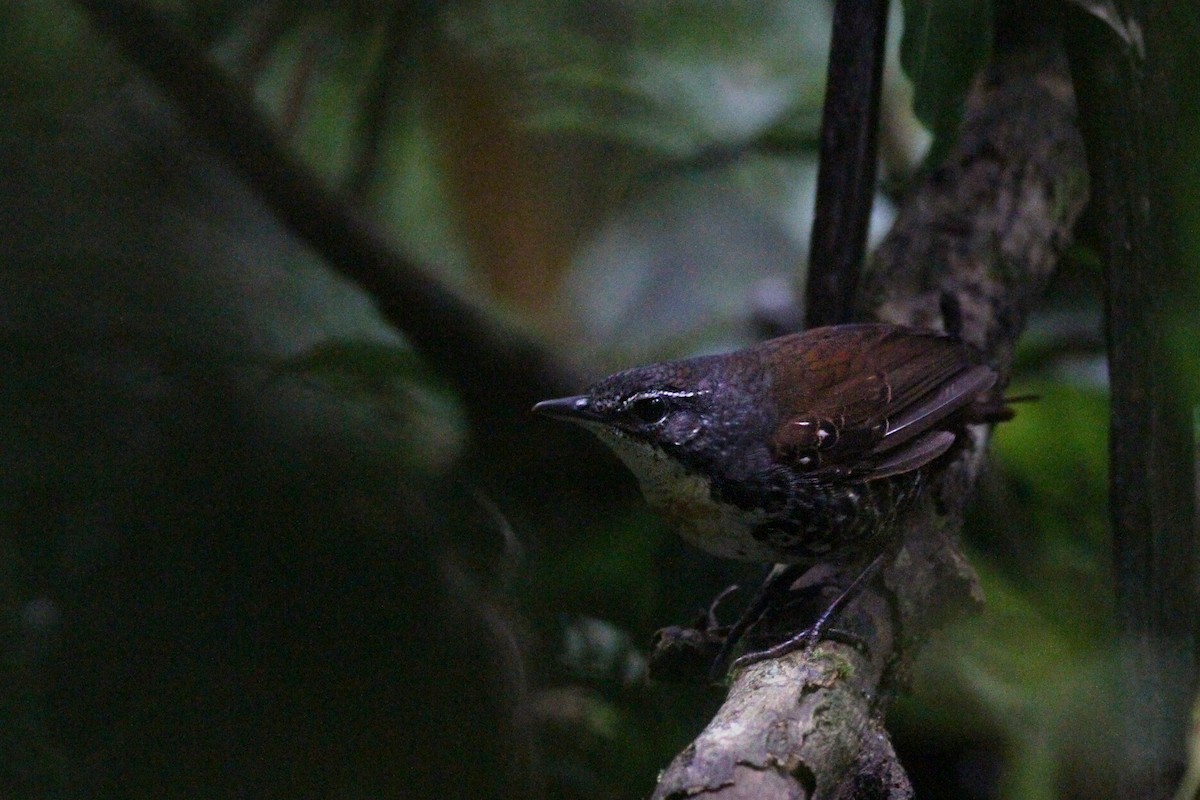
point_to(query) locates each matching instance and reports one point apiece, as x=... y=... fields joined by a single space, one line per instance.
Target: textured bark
x=971 y=249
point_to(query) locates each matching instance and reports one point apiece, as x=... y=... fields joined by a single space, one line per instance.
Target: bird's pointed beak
x=575 y=408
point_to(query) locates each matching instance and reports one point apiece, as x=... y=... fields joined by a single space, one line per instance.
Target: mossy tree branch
x=972 y=247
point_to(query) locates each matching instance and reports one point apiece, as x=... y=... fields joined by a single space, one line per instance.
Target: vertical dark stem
x=1130 y=109
x=846 y=178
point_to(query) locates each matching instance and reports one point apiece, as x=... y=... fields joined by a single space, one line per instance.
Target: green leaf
x=399 y=402
x=944 y=45
x=1107 y=12
x=365 y=363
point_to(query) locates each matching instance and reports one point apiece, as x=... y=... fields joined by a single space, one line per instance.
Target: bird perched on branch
x=800 y=450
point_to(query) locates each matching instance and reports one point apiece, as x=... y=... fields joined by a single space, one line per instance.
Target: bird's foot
x=821 y=629
x=809 y=637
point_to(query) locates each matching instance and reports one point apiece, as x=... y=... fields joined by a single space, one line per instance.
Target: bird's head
x=696 y=413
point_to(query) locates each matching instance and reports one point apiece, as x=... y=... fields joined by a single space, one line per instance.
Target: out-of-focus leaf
x=373 y=364
x=1033 y=670
x=391 y=385
x=579 y=712
x=601 y=651
x=1055 y=453
x=52 y=65
x=669 y=79
x=673 y=273
x=679 y=271
x=1189 y=786
x=944 y=45
x=1107 y=12
x=608 y=573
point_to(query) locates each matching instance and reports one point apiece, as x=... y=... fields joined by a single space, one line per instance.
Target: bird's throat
x=685 y=499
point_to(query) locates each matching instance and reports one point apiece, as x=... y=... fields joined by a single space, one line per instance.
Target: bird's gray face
x=656 y=405
x=651 y=423
x=687 y=411
x=687 y=430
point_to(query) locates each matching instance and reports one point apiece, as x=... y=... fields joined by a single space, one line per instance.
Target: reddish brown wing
x=872 y=397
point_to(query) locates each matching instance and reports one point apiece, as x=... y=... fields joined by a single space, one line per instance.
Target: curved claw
x=712 y=607
x=809 y=637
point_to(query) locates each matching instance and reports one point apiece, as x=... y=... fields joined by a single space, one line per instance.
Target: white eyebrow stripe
x=663 y=393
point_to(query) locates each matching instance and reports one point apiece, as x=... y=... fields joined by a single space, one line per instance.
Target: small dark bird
x=799 y=450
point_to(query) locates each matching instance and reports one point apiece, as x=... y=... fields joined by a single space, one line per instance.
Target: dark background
x=250 y=543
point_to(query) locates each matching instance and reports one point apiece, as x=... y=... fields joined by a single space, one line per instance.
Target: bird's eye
x=649 y=410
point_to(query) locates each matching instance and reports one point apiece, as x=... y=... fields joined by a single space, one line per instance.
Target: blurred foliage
x=673 y=79
x=945 y=44
x=50 y=63
x=182 y=371
x=391 y=386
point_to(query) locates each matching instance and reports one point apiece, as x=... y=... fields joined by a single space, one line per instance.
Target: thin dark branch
x=846 y=177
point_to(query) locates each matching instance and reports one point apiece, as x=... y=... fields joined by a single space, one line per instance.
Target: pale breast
x=685 y=500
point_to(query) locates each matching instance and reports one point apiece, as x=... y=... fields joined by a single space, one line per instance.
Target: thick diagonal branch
x=498 y=372
x=971 y=249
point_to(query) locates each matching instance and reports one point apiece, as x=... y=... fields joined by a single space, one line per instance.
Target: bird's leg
x=819 y=629
x=771 y=588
